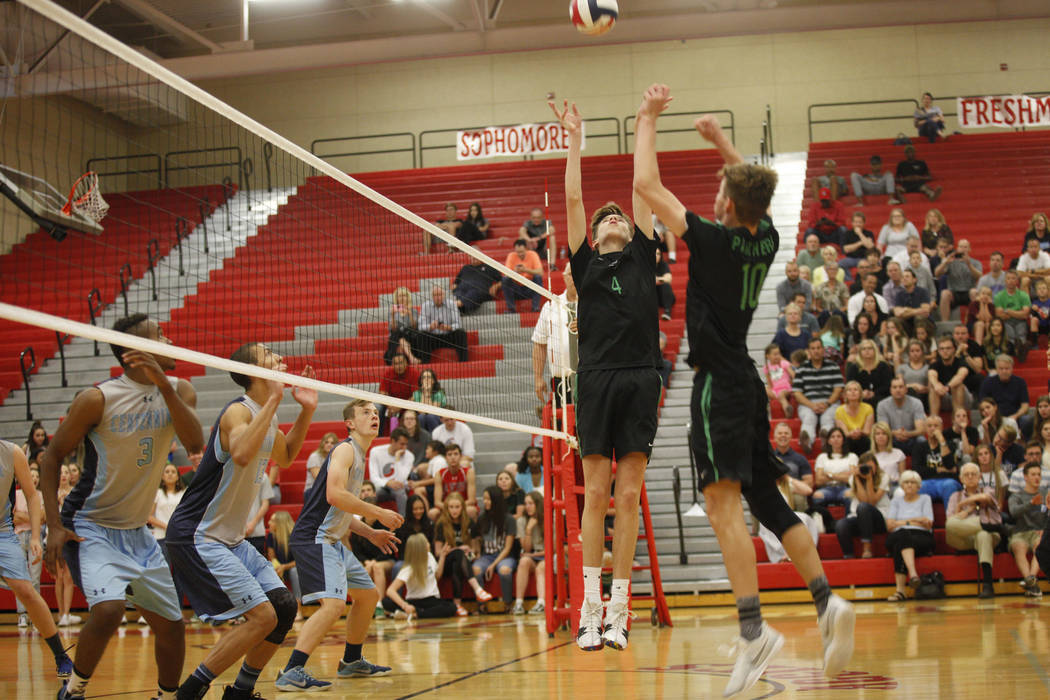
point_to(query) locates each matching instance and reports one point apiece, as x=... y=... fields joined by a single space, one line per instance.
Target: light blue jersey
x=7 y=484
x=319 y=521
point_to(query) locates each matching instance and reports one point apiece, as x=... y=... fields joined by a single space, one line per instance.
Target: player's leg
x=365 y=598
x=597 y=473
x=40 y=615
x=525 y=568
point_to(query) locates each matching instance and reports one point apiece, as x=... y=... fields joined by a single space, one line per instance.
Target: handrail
x=204 y=209
x=227 y=192
x=423 y=148
x=25 y=376
x=93 y=297
x=124 y=283
x=152 y=256
x=169 y=168
x=912 y=101
x=768 y=125
x=629 y=119
x=181 y=231
x=247 y=170
x=267 y=157
x=328 y=156
x=683 y=558
x=158 y=169
x=62 y=338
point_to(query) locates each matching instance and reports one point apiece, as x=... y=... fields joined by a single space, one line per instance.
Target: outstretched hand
x=307 y=398
x=136 y=359
x=569 y=117
x=708 y=127
x=655 y=100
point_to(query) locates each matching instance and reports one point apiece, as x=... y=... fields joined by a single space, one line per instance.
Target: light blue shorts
x=222 y=582
x=328 y=571
x=113 y=564
x=12 y=557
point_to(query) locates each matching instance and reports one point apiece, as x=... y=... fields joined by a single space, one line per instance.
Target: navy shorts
x=222 y=582
x=327 y=570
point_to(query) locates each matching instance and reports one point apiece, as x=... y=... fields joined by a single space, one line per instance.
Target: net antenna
x=85 y=198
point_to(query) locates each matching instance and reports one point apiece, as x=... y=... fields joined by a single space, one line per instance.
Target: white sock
x=519 y=601
x=592 y=583
x=620 y=587
x=76 y=685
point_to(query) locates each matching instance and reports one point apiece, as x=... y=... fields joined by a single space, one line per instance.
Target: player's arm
x=242 y=434
x=643 y=215
x=286 y=447
x=25 y=480
x=439 y=491
x=338 y=495
x=181 y=402
x=647 y=184
x=472 y=489
x=572 y=122
x=386 y=540
x=539 y=361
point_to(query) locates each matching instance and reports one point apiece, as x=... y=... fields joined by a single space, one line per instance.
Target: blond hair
x=416 y=550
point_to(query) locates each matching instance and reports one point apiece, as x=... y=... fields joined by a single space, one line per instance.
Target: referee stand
x=563 y=496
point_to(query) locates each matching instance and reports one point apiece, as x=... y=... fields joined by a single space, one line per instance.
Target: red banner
x=1008 y=111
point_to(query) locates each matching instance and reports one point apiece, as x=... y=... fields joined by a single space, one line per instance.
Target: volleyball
x=593 y=16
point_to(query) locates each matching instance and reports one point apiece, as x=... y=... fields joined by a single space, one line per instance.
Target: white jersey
x=124 y=457
x=7 y=484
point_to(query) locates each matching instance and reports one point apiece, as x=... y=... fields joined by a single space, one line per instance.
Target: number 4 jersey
x=727 y=267
x=124 y=456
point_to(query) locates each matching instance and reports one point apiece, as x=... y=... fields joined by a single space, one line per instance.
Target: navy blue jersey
x=319 y=521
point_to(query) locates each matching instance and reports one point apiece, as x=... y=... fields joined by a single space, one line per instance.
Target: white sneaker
x=63 y=621
x=23 y=621
x=615 y=632
x=124 y=620
x=836 y=630
x=751 y=659
x=589 y=635
x=539 y=608
x=518 y=609
x=74 y=619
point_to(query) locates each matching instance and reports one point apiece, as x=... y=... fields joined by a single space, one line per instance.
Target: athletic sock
x=77 y=684
x=986 y=571
x=247 y=677
x=750 y=613
x=166 y=693
x=192 y=688
x=620 y=586
x=55 y=645
x=821 y=593
x=519 y=601
x=592 y=584
x=298 y=658
x=352 y=653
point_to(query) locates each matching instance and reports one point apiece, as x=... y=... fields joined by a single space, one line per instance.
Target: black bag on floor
x=931 y=586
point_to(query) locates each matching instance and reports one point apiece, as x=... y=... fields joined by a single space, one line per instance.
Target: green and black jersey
x=727 y=267
x=618 y=314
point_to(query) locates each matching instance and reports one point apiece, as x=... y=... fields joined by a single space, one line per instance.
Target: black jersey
x=618 y=311
x=727 y=267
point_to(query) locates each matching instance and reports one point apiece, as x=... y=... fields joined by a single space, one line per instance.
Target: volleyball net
x=128 y=189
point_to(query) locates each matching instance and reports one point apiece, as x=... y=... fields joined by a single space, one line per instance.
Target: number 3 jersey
x=727 y=267
x=124 y=456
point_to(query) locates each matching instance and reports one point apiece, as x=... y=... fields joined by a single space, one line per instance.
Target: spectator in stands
x=923 y=276
x=317 y=458
x=256 y=529
x=798 y=466
x=429 y=392
x=551 y=342
x=962 y=437
x=497 y=529
x=870 y=306
x=833 y=335
x=972 y=354
x=451 y=225
x=962 y=273
x=906 y=258
x=981 y=313
x=457 y=529
x=1034 y=264
x=913 y=302
x=829 y=269
x=666 y=242
x=859 y=273
x=817 y=389
x=475 y=283
x=895 y=233
x=169 y=495
x=856 y=302
x=893 y=341
x=528 y=470
x=935 y=463
x=1032 y=425
x=1039 y=230
x=532 y=556
x=664 y=293
x=893 y=285
x=513 y=495
x=428 y=471
x=936 y=228
x=869 y=506
x=995 y=278
x=910 y=525
x=826 y=218
x=790 y=489
x=1039 y=323
x=904 y=414
x=831 y=298
x=856 y=241
x=830 y=180
x=791 y=285
x=456 y=478
x=913 y=175
x=418 y=436
x=992 y=475
x=993 y=421
x=996 y=343
x=832 y=470
x=279 y=552
x=874 y=182
x=1027 y=510
x=947 y=377
x=398 y=381
x=377 y=562
x=1009 y=391
x=863 y=329
x=810 y=256
x=915 y=372
x=63 y=578
x=892 y=460
x=23 y=530
x=536 y=230
x=792 y=336
x=778 y=374
x=453 y=431
x=808 y=320
x=390 y=467
x=439 y=326
x=416 y=522
x=967 y=513
x=419 y=576
x=525 y=262
x=855 y=418
x=929 y=119
x=36 y=440
x=402 y=326
x=872 y=373
x=475 y=227
x=1033 y=454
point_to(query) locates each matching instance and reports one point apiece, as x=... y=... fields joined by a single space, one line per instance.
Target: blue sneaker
x=299 y=680
x=63 y=695
x=361 y=669
x=64 y=666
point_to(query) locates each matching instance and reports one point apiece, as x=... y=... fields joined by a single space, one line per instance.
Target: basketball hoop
x=86 y=199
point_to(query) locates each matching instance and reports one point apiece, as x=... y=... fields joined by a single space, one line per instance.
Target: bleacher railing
x=154 y=166
x=341 y=146
x=26 y=371
x=228 y=157
x=726 y=119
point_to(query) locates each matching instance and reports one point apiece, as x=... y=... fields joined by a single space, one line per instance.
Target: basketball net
x=86 y=199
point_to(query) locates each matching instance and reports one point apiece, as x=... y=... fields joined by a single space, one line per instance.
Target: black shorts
x=960 y=299
x=616 y=410
x=730 y=417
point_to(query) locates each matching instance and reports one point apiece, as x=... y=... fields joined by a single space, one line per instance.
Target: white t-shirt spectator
x=835 y=466
x=1026 y=263
x=552 y=330
x=316 y=461
x=903 y=258
x=460 y=434
x=429 y=589
x=383 y=466
x=436 y=465
x=166 y=503
x=890 y=462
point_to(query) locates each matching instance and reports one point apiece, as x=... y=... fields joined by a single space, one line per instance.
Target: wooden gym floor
x=956 y=648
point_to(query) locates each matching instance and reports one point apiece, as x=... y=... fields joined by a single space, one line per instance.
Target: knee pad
x=286 y=608
x=768 y=505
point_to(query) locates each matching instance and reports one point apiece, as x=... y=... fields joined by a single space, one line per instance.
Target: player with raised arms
x=618 y=386
x=224 y=576
x=328 y=570
x=127 y=425
x=728 y=262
